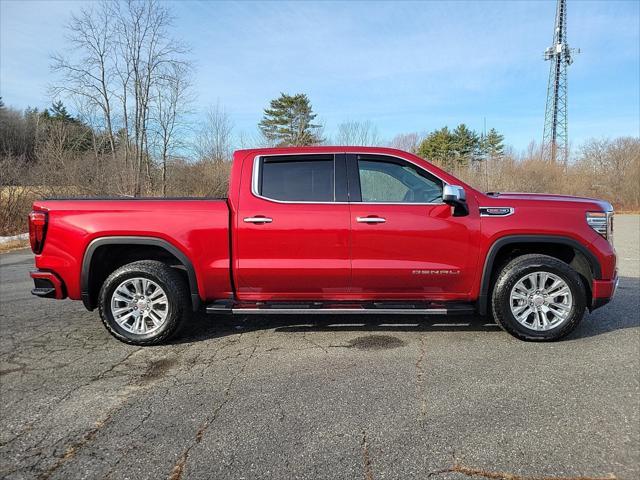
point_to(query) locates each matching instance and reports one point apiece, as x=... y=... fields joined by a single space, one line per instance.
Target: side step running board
x=340 y=311
x=319 y=308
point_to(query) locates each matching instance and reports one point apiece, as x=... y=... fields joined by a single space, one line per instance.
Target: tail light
x=37 y=230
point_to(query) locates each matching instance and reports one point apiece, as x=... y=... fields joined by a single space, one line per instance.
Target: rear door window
x=302 y=178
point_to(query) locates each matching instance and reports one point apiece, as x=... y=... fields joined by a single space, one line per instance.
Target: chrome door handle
x=370 y=219
x=258 y=220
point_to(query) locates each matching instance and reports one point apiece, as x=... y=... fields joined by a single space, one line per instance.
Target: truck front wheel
x=539 y=298
x=144 y=302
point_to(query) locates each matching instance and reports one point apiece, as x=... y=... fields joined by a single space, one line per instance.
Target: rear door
x=405 y=241
x=293 y=228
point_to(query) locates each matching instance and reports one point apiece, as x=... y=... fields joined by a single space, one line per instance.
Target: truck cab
x=352 y=226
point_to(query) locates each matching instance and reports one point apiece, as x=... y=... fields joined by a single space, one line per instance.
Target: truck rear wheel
x=144 y=302
x=539 y=298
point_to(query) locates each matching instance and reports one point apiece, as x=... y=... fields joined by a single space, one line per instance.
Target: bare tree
x=90 y=75
x=406 y=141
x=247 y=140
x=171 y=104
x=358 y=133
x=612 y=168
x=214 y=141
x=121 y=58
x=18 y=132
x=148 y=52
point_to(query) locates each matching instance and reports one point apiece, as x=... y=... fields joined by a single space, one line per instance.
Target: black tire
x=516 y=270
x=175 y=288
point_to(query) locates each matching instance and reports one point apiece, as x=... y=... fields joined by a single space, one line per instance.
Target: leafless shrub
x=15 y=196
x=203 y=178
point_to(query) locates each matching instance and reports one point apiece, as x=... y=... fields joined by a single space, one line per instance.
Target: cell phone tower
x=555 y=140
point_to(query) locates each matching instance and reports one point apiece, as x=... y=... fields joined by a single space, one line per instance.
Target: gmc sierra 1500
x=329 y=230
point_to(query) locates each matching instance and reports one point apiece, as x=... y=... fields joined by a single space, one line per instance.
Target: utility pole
x=555 y=140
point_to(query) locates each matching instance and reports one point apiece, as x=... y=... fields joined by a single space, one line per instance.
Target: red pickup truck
x=329 y=230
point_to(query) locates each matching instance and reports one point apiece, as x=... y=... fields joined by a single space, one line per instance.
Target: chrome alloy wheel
x=139 y=305
x=541 y=301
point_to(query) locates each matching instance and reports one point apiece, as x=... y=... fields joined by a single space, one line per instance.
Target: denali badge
x=435 y=272
x=496 y=211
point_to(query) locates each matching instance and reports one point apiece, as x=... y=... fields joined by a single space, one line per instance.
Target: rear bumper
x=47 y=285
x=603 y=291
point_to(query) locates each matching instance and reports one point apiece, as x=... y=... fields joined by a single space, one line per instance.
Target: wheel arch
x=583 y=261
x=89 y=295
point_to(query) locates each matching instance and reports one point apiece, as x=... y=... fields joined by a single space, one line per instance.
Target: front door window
x=391 y=181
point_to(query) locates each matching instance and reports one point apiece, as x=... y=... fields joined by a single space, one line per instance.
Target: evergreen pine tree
x=437 y=146
x=492 y=144
x=289 y=121
x=466 y=143
x=59 y=112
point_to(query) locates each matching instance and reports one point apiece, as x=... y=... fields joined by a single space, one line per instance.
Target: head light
x=602 y=222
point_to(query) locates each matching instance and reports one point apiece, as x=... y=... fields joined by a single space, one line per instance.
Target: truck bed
x=198 y=228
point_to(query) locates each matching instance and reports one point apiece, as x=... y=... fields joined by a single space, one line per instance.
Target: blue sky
x=404 y=66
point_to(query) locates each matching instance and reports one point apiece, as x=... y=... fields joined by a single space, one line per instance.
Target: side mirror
x=455 y=196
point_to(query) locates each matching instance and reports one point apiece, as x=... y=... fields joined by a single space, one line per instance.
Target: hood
x=548 y=198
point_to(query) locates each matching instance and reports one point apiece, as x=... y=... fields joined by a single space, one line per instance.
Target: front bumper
x=603 y=291
x=47 y=285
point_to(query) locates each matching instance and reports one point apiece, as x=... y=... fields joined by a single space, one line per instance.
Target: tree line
x=52 y=135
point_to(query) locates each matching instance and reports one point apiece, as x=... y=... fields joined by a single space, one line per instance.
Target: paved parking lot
x=301 y=397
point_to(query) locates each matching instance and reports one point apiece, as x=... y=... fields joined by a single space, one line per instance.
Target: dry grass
x=13 y=245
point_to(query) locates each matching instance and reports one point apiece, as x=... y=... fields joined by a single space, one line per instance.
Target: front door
x=405 y=241
x=292 y=229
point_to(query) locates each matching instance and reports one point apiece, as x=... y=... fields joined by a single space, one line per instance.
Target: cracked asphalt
x=314 y=398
